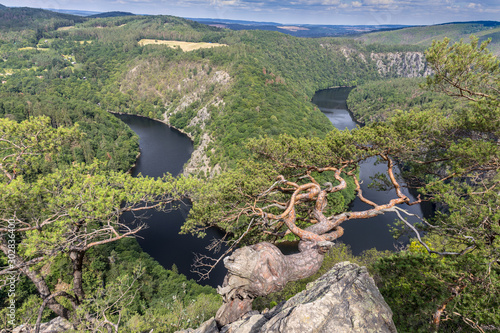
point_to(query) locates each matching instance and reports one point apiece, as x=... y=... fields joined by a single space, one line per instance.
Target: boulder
x=56 y=325
x=345 y=299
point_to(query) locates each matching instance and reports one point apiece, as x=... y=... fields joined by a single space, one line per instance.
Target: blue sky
x=297 y=11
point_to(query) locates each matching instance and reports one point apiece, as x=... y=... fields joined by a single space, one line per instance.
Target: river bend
x=164 y=149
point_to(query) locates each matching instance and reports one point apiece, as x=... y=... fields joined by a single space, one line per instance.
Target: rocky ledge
x=56 y=325
x=345 y=299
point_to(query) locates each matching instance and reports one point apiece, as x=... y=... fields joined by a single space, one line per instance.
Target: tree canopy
x=55 y=212
x=451 y=156
x=65 y=187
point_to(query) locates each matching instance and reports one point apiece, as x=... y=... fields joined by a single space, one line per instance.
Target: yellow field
x=65 y=28
x=33 y=48
x=185 y=46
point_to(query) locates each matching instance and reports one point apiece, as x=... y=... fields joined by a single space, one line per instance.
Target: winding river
x=164 y=149
x=364 y=234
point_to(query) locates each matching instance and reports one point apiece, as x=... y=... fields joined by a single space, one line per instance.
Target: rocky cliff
x=390 y=64
x=343 y=300
x=401 y=64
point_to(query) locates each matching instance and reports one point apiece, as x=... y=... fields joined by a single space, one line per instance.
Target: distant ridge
x=20 y=18
x=297 y=30
x=74 y=12
x=485 y=23
x=228 y=21
x=424 y=35
x=91 y=14
x=111 y=14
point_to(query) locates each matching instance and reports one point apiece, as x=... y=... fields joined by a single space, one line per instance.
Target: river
x=164 y=149
x=364 y=234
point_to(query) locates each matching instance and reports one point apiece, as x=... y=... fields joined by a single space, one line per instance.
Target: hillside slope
x=22 y=18
x=426 y=34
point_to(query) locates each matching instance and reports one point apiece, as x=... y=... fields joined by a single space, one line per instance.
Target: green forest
x=247 y=106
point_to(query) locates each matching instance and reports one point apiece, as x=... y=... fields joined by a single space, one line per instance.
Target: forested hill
x=123 y=64
x=63 y=75
x=111 y=14
x=22 y=18
x=424 y=35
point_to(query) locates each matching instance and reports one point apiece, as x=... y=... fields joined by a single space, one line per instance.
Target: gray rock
x=210 y=326
x=345 y=299
x=248 y=325
x=56 y=325
x=401 y=64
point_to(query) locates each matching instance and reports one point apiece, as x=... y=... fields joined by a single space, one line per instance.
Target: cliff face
x=343 y=300
x=391 y=64
x=401 y=64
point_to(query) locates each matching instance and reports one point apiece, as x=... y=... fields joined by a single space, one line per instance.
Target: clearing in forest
x=185 y=46
x=65 y=28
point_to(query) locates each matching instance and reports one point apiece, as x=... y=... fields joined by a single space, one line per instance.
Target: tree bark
x=259 y=270
x=76 y=257
x=39 y=282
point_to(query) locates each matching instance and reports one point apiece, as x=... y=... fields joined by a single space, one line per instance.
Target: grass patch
x=65 y=28
x=184 y=46
x=33 y=48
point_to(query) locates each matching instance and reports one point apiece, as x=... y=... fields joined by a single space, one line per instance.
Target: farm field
x=184 y=46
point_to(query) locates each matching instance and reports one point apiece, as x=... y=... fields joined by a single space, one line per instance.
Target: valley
x=248 y=101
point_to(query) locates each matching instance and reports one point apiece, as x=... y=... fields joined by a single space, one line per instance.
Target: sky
x=331 y=12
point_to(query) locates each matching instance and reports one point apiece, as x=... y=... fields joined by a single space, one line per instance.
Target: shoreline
x=158 y=120
x=353 y=117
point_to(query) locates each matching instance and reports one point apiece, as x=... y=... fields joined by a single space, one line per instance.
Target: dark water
x=333 y=103
x=364 y=234
x=164 y=149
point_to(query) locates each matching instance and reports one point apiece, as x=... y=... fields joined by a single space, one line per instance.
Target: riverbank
x=189 y=135
x=193 y=165
x=165 y=149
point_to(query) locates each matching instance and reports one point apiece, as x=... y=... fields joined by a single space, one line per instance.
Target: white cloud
x=223 y=2
x=354 y=4
x=330 y=2
x=474 y=5
x=378 y=2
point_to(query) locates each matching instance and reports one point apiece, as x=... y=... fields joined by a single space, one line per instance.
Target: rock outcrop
x=401 y=64
x=345 y=299
x=56 y=325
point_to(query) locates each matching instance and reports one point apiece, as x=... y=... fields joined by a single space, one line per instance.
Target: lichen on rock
x=345 y=299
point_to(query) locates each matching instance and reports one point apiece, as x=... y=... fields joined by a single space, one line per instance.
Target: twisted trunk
x=259 y=270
